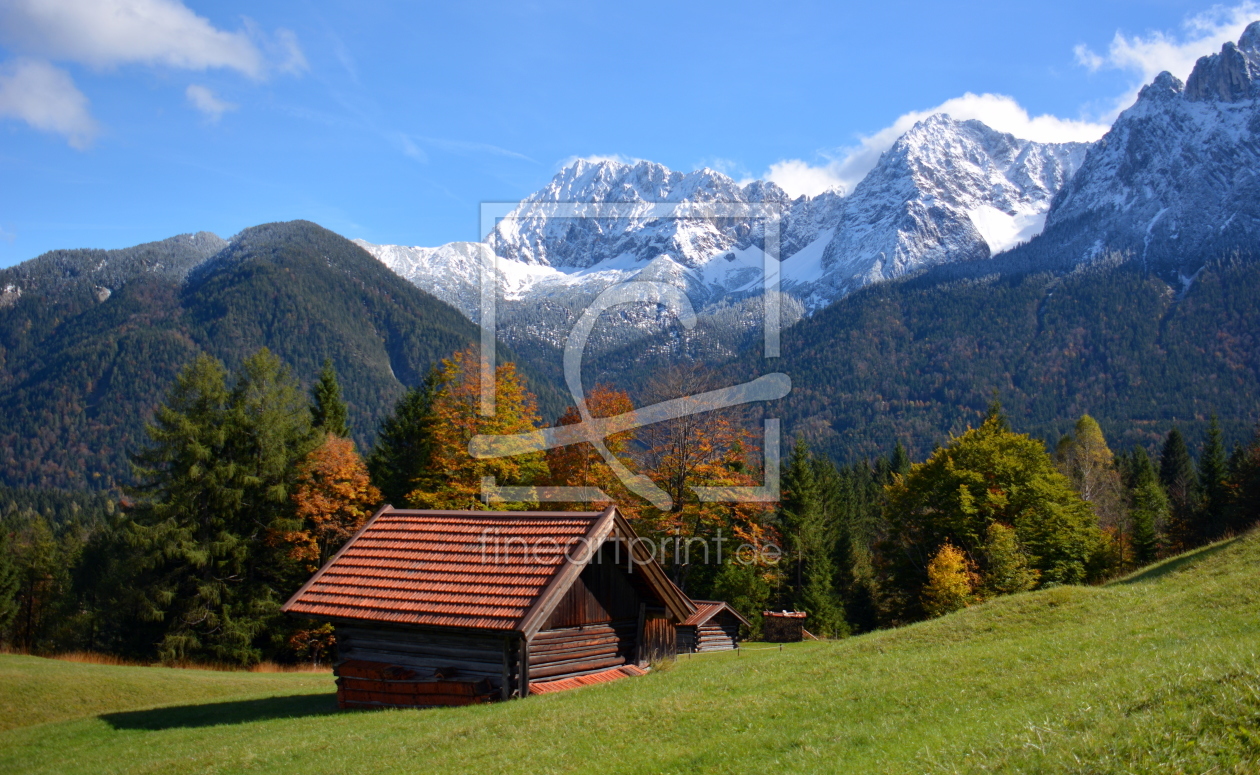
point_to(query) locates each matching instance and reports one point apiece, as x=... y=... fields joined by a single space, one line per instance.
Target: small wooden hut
x=458 y=607
x=713 y=627
x=783 y=626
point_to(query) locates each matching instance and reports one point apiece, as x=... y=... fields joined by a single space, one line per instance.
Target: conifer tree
x=1148 y=508
x=1245 y=507
x=9 y=584
x=328 y=408
x=811 y=543
x=1176 y=474
x=1213 y=492
x=214 y=480
x=404 y=445
x=899 y=463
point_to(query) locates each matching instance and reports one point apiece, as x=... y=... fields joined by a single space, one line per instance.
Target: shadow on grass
x=1175 y=564
x=217 y=713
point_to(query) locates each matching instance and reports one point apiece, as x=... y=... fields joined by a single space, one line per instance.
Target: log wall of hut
x=380 y=665
x=718 y=634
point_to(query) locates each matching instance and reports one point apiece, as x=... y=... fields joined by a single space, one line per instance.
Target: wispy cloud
x=1146 y=56
x=46 y=98
x=844 y=168
x=413 y=146
x=207 y=102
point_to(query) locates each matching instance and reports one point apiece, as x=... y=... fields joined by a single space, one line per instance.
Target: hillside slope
x=1157 y=672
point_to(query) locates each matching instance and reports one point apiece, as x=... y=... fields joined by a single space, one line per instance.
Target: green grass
x=1158 y=672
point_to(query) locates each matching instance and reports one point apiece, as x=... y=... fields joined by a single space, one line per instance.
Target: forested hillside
x=81 y=368
x=920 y=359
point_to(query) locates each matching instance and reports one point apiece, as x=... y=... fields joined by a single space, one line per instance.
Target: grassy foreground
x=1159 y=672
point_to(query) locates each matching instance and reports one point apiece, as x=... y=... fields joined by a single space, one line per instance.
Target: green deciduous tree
x=988 y=474
x=1006 y=568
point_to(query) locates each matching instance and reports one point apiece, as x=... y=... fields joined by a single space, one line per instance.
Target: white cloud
x=207 y=102
x=846 y=167
x=1148 y=56
x=105 y=33
x=108 y=33
x=45 y=97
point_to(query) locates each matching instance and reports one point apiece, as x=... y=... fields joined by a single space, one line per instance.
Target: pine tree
x=404 y=445
x=1176 y=474
x=899 y=463
x=9 y=584
x=214 y=480
x=1148 y=508
x=1245 y=508
x=811 y=543
x=328 y=408
x=1213 y=503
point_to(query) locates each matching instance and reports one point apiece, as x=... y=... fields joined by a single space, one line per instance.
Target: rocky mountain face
x=1175 y=180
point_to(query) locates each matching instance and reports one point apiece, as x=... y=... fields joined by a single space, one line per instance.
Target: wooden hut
x=783 y=626
x=713 y=627
x=459 y=607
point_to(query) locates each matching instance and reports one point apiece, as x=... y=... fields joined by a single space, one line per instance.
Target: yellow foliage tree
x=951 y=580
x=453 y=479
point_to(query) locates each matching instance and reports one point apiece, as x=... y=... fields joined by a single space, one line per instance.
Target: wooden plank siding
x=660 y=638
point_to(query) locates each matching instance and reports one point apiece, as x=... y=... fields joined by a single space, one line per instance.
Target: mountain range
x=1115 y=277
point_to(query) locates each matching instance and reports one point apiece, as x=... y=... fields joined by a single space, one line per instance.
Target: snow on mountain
x=1175 y=179
x=946 y=191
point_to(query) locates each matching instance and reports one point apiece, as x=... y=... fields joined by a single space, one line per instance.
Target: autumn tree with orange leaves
x=332 y=499
x=580 y=465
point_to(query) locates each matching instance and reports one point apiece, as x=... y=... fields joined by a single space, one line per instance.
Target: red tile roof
x=604 y=676
x=482 y=570
x=707 y=609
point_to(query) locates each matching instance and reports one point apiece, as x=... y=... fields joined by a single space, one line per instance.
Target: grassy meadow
x=1158 y=672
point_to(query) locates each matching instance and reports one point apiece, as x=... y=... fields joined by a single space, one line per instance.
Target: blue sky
x=126 y=121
